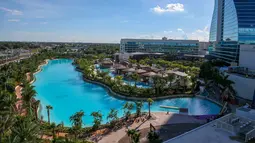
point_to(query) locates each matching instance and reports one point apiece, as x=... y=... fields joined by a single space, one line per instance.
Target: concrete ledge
x=203 y=97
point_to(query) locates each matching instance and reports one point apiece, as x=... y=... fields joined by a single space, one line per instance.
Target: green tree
x=97 y=119
x=139 y=106
x=150 y=101
x=127 y=107
x=48 y=107
x=28 y=94
x=118 y=80
x=7 y=112
x=53 y=127
x=25 y=130
x=136 y=78
x=134 y=136
x=112 y=116
x=77 y=122
x=36 y=105
x=171 y=78
x=153 y=137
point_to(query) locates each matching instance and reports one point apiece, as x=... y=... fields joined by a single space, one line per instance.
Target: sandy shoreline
x=39 y=69
x=18 y=88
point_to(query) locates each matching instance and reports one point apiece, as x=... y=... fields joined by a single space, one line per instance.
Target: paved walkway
x=161 y=119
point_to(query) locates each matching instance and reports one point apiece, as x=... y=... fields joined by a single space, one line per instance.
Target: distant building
x=124 y=57
x=166 y=46
x=233 y=31
x=203 y=48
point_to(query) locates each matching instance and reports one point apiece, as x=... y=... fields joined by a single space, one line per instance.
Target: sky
x=104 y=21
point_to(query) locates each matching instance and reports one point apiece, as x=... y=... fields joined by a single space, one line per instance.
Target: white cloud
x=200 y=34
x=43 y=22
x=200 y=31
x=172 y=7
x=11 y=11
x=13 y=20
x=167 y=32
x=179 y=29
x=184 y=34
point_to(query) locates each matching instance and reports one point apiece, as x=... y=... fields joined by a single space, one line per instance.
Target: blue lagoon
x=62 y=87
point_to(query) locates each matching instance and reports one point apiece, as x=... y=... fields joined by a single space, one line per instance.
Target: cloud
x=172 y=7
x=179 y=29
x=11 y=11
x=200 y=31
x=167 y=32
x=44 y=23
x=184 y=34
x=13 y=20
x=200 y=34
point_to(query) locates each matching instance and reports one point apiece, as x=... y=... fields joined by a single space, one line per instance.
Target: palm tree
x=134 y=135
x=35 y=107
x=118 y=79
x=97 y=119
x=194 y=83
x=77 y=122
x=127 y=107
x=150 y=101
x=139 y=106
x=112 y=116
x=170 y=78
x=28 y=93
x=48 y=107
x=7 y=111
x=227 y=86
x=25 y=130
x=135 y=77
x=59 y=127
x=185 y=82
x=53 y=127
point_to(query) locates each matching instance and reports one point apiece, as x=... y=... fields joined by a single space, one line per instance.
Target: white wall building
x=247 y=56
x=243 y=86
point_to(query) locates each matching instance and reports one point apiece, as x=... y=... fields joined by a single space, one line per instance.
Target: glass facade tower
x=159 y=46
x=233 y=23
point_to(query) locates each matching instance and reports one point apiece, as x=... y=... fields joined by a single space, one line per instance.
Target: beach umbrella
x=119 y=67
x=150 y=74
x=170 y=72
x=129 y=70
x=140 y=71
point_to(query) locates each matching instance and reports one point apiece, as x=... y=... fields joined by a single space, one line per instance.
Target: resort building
x=123 y=57
x=232 y=35
x=164 y=45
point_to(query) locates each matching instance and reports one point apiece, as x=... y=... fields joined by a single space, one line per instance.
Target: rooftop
x=207 y=133
x=160 y=40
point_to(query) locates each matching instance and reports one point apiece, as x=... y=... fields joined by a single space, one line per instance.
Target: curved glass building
x=233 y=24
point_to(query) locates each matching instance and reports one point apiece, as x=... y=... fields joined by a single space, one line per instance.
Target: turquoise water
x=62 y=87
